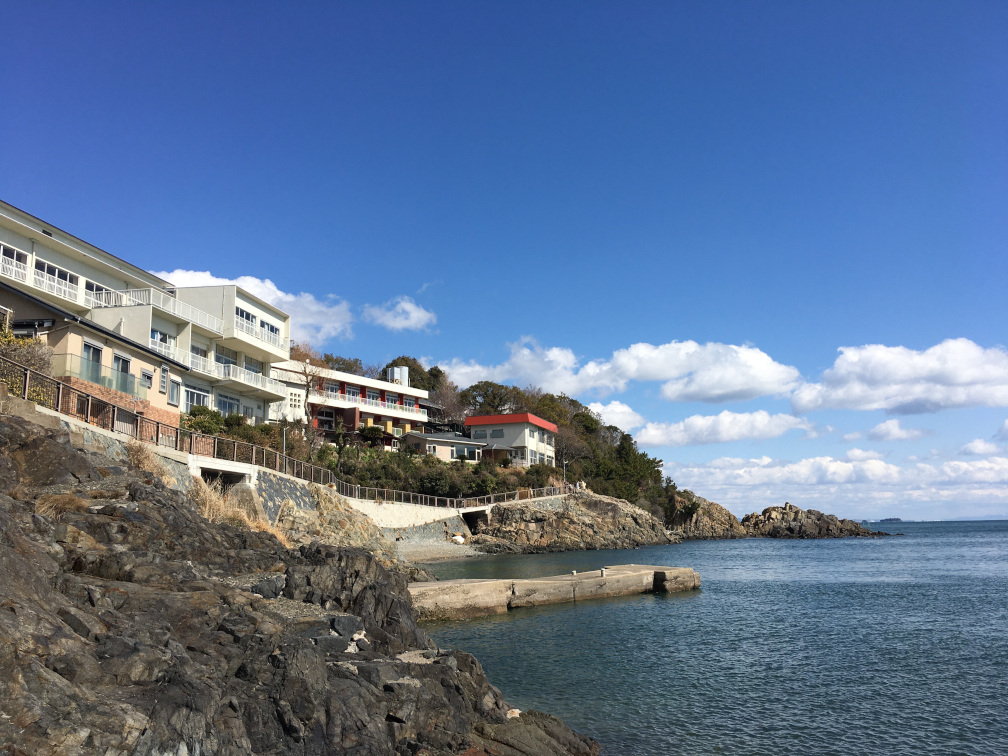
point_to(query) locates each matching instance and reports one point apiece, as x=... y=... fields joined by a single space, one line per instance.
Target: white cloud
x=618 y=414
x=891 y=430
x=855 y=436
x=954 y=373
x=979 y=447
x=400 y=314
x=860 y=455
x=688 y=371
x=1002 y=434
x=726 y=426
x=313 y=320
x=853 y=487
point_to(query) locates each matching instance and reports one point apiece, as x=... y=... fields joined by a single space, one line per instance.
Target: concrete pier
x=465 y=599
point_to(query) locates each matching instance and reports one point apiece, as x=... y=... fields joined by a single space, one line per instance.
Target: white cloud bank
x=891 y=430
x=954 y=373
x=400 y=314
x=726 y=426
x=689 y=372
x=979 y=447
x=618 y=414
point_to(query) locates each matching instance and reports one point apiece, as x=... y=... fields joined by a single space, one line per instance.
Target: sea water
x=855 y=646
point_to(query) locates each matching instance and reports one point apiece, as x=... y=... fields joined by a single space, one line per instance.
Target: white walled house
x=447 y=447
x=359 y=402
x=131 y=337
x=524 y=438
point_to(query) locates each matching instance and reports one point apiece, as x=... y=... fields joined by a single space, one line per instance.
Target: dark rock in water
x=127 y=626
x=701 y=520
x=791 y=522
x=585 y=521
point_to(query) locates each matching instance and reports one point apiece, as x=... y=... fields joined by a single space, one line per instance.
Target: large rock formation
x=698 y=519
x=130 y=625
x=585 y=521
x=791 y=522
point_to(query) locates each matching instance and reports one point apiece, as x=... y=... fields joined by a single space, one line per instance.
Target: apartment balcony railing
x=262 y=334
x=95 y=372
x=14 y=269
x=57 y=286
x=376 y=403
x=158 y=299
x=240 y=374
x=169 y=351
x=202 y=364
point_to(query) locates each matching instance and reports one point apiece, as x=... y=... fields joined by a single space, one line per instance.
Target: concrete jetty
x=465 y=599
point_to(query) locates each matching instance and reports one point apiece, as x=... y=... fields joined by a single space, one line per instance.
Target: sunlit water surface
x=855 y=646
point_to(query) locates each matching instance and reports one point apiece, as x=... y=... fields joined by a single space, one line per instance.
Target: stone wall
x=274 y=489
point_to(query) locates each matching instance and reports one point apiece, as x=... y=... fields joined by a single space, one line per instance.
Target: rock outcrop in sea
x=130 y=625
x=791 y=522
x=700 y=520
x=583 y=521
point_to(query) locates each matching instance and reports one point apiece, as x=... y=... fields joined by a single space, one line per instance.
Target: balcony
x=275 y=340
x=169 y=351
x=267 y=388
x=57 y=286
x=159 y=300
x=377 y=404
x=13 y=269
x=202 y=365
x=95 y=372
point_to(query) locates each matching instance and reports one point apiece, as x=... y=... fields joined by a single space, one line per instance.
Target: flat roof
x=521 y=417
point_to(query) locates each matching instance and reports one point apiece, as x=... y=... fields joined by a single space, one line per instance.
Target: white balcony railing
x=169 y=351
x=14 y=269
x=56 y=286
x=202 y=364
x=243 y=326
x=376 y=403
x=235 y=373
x=159 y=299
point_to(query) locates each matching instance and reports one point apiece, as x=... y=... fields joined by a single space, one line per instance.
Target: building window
x=253 y=366
x=164 y=380
x=391 y=398
x=95 y=293
x=373 y=395
x=353 y=392
x=480 y=433
x=409 y=401
x=225 y=356
x=453 y=452
x=91 y=353
x=431 y=449
x=147 y=379
x=174 y=389
x=120 y=364
x=58 y=273
x=269 y=328
x=497 y=433
x=14 y=254
x=227 y=405
x=162 y=338
x=197 y=351
x=196 y=398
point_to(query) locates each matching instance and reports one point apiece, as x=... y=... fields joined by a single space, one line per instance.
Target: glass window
x=497 y=433
x=373 y=395
x=253 y=366
x=479 y=433
x=91 y=353
x=14 y=254
x=162 y=337
x=227 y=405
x=147 y=378
x=196 y=398
x=197 y=350
x=353 y=392
x=58 y=273
x=164 y=380
x=269 y=327
x=409 y=401
x=225 y=356
x=120 y=364
x=173 y=393
x=245 y=315
x=391 y=398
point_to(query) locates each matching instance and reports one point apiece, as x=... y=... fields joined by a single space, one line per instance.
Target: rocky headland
x=700 y=520
x=129 y=624
x=582 y=521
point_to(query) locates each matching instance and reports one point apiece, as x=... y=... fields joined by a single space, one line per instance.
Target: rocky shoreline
x=131 y=625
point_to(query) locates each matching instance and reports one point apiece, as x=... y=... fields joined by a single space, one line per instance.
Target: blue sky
x=767 y=238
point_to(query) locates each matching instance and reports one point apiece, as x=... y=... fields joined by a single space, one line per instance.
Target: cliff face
x=130 y=625
x=586 y=521
x=791 y=522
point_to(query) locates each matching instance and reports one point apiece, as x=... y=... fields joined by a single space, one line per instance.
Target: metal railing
x=240 y=374
x=365 y=402
x=162 y=301
x=14 y=269
x=66 y=400
x=169 y=351
x=57 y=286
x=244 y=326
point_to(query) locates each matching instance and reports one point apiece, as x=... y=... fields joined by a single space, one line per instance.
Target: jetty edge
x=483 y=597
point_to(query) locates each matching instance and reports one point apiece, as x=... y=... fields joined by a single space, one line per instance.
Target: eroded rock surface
x=128 y=625
x=586 y=521
x=698 y=519
x=791 y=522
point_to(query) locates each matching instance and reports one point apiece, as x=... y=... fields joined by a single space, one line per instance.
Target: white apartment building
x=523 y=437
x=133 y=338
x=360 y=402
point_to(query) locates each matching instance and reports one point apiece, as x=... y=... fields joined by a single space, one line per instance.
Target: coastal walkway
x=465 y=599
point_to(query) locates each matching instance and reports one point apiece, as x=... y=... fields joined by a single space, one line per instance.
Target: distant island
x=891 y=519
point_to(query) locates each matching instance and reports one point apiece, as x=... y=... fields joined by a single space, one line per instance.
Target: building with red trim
x=524 y=438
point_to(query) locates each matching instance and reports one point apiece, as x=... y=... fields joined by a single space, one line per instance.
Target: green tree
x=489 y=398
